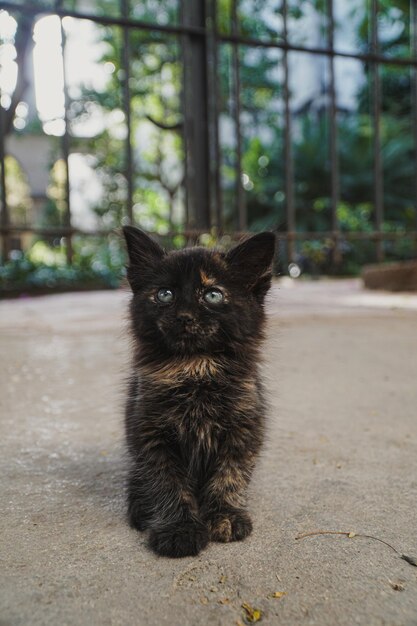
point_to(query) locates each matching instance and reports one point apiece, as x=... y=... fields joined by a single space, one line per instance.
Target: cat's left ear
x=143 y=253
x=252 y=260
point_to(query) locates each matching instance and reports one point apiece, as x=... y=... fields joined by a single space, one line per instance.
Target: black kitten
x=195 y=413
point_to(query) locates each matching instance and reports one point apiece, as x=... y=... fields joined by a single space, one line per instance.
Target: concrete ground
x=341 y=455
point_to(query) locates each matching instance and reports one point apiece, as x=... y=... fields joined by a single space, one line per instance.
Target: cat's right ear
x=143 y=253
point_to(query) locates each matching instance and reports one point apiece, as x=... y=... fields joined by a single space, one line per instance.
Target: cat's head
x=197 y=300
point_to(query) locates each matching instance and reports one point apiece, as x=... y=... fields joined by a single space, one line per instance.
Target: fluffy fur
x=195 y=410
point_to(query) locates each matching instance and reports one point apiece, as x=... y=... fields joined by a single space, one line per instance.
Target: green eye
x=213 y=296
x=165 y=296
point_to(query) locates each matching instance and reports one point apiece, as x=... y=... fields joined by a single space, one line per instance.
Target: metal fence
x=200 y=39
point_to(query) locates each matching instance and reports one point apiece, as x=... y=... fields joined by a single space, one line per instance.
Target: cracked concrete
x=341 y=455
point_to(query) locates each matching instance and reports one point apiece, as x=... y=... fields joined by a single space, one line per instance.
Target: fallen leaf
x=222 y=579
x=279 y=594
x=351 y=535
x=204 y=600
x=251 y=614
x=397 y=585
x=213 y=589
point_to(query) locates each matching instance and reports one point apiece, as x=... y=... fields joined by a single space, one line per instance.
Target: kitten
x=195 y=412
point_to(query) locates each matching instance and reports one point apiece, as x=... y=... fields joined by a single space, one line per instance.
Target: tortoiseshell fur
x=195 y=409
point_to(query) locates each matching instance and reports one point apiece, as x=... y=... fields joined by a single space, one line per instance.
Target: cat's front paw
x=230 y=526
x=179 y=539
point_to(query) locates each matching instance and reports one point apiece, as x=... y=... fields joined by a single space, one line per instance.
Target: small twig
x=323 y=532
x=409 y=559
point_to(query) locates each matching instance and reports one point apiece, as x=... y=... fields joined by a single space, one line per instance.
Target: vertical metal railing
x=215 y=96
x=241 y=216
x=65 y=146
x=413 y=75
x=4 y=216
x=129 y=167
x=201 y=41
x=196 y=113
x=288 y=156
x=334 y=152
x=376 y=111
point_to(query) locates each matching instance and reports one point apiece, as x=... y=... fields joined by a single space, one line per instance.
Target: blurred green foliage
x=98 y=263
x=155 y=84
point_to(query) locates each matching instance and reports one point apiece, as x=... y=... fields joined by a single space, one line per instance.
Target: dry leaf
x=222 y=579
x=351 y=535
x=279 y=594
x=204 y=600
x=213 y=589
x=397 y=585
x=251 y=614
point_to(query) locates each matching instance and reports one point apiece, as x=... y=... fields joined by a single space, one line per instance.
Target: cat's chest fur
x=198 y=397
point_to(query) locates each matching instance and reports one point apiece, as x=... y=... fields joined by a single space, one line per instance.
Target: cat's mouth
x=188 y=337
x=190 y=330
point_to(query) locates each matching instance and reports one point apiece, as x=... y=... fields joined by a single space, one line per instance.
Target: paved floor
x=341 y=455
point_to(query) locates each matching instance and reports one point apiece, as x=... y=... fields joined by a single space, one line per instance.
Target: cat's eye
x=213 y=296
x=165 y=295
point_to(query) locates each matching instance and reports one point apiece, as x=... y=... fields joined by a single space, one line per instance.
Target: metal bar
x=413 y=70
x=365 y=57
x=240 y=204
x=288 y=160
x=103 y=19
x=129 y=167
x=5 y=218
x=223 y=37
x=348 y=236
x=291 y=235
x=376 y=105
x=214 y=108
x=185 y=124
x=196 y=117
x=334 y=153
x=52 y=230
x=65 y=151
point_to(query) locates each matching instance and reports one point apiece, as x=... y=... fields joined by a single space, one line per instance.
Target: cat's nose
x=185 y=318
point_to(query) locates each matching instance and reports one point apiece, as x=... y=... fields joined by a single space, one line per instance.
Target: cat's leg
x=140 y=502
x=223 y=499
x=161 y=498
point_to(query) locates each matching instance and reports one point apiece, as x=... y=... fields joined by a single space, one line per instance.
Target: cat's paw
x=179 y=539
x=230 y=526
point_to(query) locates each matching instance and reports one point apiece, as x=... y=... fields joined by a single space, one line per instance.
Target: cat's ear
x=251 y=261
x=143 y=253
